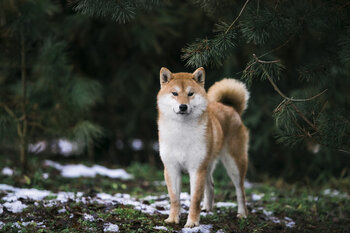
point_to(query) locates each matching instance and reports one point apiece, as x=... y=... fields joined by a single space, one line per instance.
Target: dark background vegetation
x=92 y=76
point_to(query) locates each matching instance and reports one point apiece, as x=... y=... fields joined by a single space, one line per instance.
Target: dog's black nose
x=183 y=107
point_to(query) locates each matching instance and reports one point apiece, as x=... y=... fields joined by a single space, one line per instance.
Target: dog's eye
x=190 y=94
x=174 y=93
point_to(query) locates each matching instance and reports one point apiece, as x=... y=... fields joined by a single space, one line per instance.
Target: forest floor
x=56 y=200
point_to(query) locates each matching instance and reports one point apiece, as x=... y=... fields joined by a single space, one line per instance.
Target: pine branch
x=276 y=87
x=120 y=11
x=234 y=21
x=289 y=101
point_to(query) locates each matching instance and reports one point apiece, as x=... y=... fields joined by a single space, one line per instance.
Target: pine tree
x=300 y=47
x=297 y=76
x=41 y=95
x=125 y=57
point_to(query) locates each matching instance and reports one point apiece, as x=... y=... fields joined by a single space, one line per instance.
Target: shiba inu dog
x=196 y=129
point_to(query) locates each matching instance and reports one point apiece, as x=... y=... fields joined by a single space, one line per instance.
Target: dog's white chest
x=182 y=144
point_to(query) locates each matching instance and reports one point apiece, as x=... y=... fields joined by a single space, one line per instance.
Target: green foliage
x=88 y=71
x=119 y=11
x=41 y=93
x=293 y=36
x=86 y=131
x=211 y=51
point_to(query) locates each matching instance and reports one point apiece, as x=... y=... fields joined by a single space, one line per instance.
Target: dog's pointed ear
x=199 y=76
x=165 y=76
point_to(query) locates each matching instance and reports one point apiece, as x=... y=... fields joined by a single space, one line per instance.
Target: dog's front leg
x=197 y=181
x=172 y=177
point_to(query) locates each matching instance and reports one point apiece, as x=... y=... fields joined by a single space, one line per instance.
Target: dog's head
x=182 y=95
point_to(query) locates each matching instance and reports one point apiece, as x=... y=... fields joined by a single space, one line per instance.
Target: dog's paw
x=172 y=220
x=241 y=215
x=190 y=224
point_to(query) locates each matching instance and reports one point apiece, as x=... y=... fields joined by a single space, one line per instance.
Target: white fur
x=182 y=143
x=182 y=139
x=233 y=172
x=168 y=106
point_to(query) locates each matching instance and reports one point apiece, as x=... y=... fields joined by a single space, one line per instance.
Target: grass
x=311 y=210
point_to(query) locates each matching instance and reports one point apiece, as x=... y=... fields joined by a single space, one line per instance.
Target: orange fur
x=224 y=131
x=231 y=92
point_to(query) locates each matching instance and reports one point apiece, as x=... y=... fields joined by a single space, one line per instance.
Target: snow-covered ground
x=80 y=170
x=14 y=198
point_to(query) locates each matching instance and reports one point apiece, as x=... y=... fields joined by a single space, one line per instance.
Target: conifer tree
x=302 y=49
x=40 y=94
x=293 y=54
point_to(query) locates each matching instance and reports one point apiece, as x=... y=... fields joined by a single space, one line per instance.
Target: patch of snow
x=149 y=198
x=67 y=147
x=200 y=228
x=88 y=217
x=159 y=183
x=6 y=171
x=16 y=224
x=226 y=205
x=160 y=228
x=1 y=224
x=220 y=231
x=6 y=187
x=1 y=209
x=185 y=196
x=79 y=170
x=63 y=210
x=110 y=227
x=45 y=175
x=330 y=192
x=269 y=216
x=15 y=207
x=248 y=185
x=137 y=144
x=34 y=194
x=112 y=173
x=37 y=147
x=267 y=213
x=289 y=222
x=312 y=198
x=275 y=219
x=65 y=196
x=334 y=193
x=257 y=197
x=32 y=223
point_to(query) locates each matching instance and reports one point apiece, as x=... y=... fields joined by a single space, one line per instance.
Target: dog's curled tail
x=230 y=92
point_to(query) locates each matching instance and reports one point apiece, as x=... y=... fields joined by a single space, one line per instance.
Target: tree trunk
x=24 y=125
x=23 y=154
x=91 y=151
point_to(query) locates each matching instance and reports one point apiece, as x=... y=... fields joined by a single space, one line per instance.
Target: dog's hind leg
x=208 y=201
x=237 y=173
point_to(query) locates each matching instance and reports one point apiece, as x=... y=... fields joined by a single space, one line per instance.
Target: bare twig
x=344 y=151
x=9 y=111
x=286 y=97
x=276 y=87
x=304 y=117
x=234 y=21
